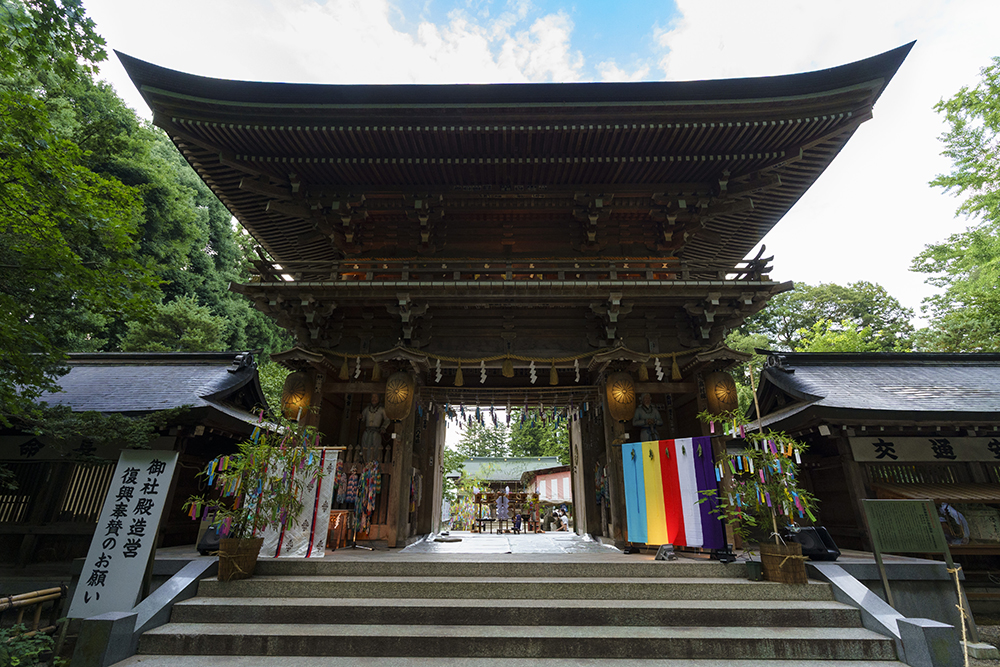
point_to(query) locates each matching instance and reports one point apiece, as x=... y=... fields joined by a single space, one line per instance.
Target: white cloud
x=341 y=41
x=543 y=51
x=610 y=71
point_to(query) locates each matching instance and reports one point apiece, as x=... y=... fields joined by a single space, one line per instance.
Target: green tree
x=484 y=440
x=829 y=336
x=965 y=316
x=538 y=438
x=69 y=233
x=861 y=303
x=178 y=326
x=272 y=381
x=748 y=343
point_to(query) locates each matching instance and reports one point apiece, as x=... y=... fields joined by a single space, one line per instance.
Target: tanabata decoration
x=263 y=485
x=762 y=479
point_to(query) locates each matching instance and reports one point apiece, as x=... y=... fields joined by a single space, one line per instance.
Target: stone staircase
x=398 y=612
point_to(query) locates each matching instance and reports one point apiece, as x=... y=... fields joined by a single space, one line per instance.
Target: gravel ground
x=991 y=635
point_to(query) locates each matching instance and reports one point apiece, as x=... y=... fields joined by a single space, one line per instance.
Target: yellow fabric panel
x=656 y=518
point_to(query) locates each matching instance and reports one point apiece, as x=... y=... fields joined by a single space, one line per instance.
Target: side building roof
x=798 y=388
x=221 y=386
x=505 y=469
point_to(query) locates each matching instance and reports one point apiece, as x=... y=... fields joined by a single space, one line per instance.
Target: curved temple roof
x=700 y=170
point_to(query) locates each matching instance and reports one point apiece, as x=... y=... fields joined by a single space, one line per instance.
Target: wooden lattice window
x=85 y=494
x=913 y=474
x=16 y=505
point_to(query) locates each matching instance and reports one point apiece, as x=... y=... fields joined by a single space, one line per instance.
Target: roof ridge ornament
x=777 y=362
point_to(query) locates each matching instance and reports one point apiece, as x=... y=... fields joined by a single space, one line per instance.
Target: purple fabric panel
x=711 y=526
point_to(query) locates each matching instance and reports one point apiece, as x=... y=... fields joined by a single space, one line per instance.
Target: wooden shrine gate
x=512 y=238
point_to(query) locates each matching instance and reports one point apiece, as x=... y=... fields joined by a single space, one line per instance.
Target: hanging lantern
x=621 y=396
x=720 y=390
x=399 y=391
x=296 y=395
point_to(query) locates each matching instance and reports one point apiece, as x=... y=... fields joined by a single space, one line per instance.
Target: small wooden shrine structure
x=893 y=425
x=510 y=245
x=61 y=485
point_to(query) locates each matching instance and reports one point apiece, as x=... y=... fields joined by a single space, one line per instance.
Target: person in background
x=563 y=520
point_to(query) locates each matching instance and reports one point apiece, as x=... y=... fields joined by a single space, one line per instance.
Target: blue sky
x=866 y=218
x=620 y=32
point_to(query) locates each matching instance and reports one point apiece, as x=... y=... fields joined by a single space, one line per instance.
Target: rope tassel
x=675 y=370
x=345 y=372
x=553 y=375
x=459 y=380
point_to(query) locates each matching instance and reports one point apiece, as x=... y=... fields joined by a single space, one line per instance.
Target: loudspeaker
x=816 y=543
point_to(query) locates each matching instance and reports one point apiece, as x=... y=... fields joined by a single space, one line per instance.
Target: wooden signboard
x=907 y=527
x=112 y=575
x=944 y=450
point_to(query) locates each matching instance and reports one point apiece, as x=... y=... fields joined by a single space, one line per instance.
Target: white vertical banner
x=304 y=536
x=112 y=575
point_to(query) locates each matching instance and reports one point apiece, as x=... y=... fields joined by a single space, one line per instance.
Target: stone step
x=459 y=641
x=415 y=611
x=513 y=588
x=317 y=661
x=333 y=567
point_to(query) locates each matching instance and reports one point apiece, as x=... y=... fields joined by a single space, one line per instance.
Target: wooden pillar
x=402 y=468
x=437 y=495
x=45 y=506
x=577 y=471
x=616 y=476
x=592 y=452
x=856 y=487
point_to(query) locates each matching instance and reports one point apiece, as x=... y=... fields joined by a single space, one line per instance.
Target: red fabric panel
x=672 y=507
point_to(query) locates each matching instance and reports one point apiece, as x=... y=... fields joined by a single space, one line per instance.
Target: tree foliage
x=530 y=436
x=534 y=437
x=272 y=381
x=863 y=306
x=830 y=336
x=69 y=232
x=180 y=325
x=484 y=440
x=101 y=218
x=965 y=316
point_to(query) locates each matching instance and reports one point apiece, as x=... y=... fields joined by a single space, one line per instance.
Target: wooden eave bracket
x=419 y=362
x=718 y=353
x=600 y=361
x=297 y=357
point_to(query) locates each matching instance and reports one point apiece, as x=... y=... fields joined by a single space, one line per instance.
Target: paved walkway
x=508 y=543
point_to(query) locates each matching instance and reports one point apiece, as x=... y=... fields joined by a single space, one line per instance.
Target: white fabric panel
x=317 y=498
x=541 y=490
x=689 y=492
x=565 y=494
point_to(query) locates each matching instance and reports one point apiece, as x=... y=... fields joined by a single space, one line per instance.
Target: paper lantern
x=720 y=390
x=621 y=396
x=296 y=395
x=399 y=391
